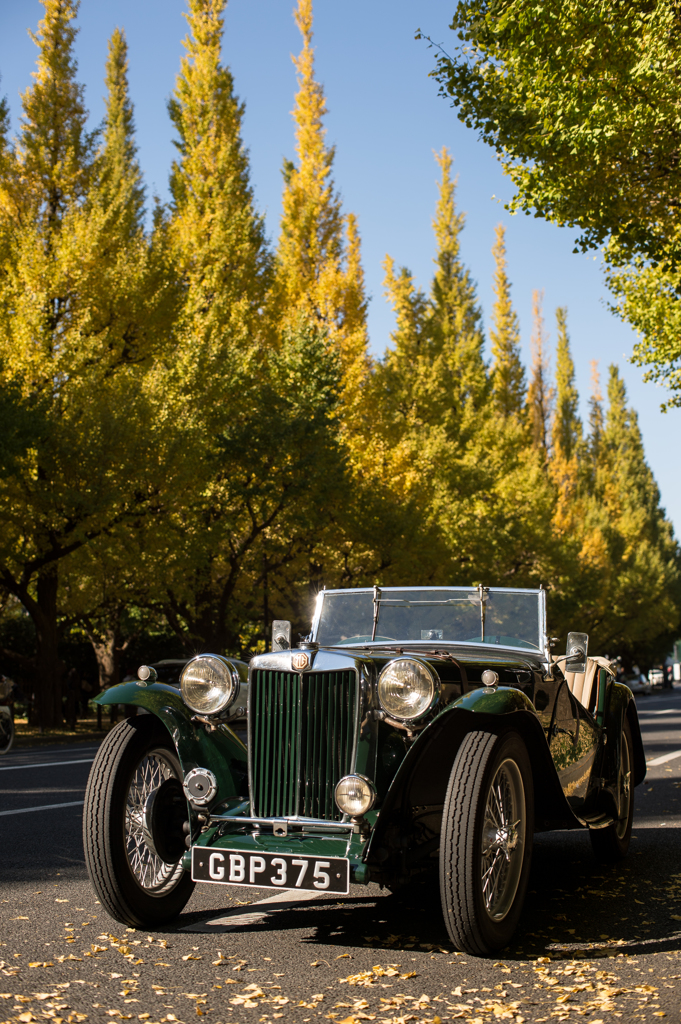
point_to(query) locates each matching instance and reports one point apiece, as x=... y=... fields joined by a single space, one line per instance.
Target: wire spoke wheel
x=132 y=881
x=152 y=874
x=625 y=789
x=611 y=843
x=486 y=841
x=503 y=840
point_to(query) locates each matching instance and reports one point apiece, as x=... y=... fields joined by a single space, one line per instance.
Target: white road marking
x=238 y=917
x=45 y=764
x=665 y=711
x=43 y=807
x=662 y=758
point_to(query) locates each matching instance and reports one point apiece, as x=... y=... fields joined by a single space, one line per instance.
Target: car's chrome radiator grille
x=301 y=739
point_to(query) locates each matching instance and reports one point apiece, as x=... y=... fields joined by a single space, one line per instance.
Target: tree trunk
x=108 y=655
x=47 y=711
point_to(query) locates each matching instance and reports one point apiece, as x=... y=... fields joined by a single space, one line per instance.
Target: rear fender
x=423 y=776
x=221 y=751
x=620 y=704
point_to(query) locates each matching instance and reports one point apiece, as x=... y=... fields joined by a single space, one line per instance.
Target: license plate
x=270 y=870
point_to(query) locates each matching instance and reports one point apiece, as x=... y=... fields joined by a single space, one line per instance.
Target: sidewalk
x=85 y=731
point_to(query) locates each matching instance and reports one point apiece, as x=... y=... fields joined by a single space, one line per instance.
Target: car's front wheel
x=486 y=841
x=133 y=825
x=612 y=842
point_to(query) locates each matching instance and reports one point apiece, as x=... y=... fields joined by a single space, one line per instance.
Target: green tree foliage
x=595 y=412
x=647 y=297
x=193 y=433
x=269 y=475
x=264 y=434
x=81 y=303
x=581 y=102
x=539 y=393
x=566 y=433
x=120 y=189
x=480 y=488
x=318 y=262
x=219 y=251
x=567 y=428
x=218 y=238
x=435 y=375
x=508 y=373
x=627 y=543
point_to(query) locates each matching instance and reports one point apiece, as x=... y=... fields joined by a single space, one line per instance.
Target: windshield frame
x=542 y=650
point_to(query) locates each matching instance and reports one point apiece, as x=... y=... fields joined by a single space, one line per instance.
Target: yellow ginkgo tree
x=319 y=272
x=84 y=307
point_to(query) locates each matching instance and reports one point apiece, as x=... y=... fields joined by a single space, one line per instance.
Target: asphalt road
x=594 y=942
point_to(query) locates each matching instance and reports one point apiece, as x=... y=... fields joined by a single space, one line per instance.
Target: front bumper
x=305 y=838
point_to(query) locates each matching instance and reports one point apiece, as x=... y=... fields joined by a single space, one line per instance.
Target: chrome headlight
x=209 y=684
x=355 y=795
x=407 y=689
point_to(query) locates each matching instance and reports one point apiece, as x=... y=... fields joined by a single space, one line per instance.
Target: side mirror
x=281 y=635
x=577 y=649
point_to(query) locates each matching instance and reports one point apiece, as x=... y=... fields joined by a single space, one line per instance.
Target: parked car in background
x=656 y=677
x=418 y=732
x=637 y=683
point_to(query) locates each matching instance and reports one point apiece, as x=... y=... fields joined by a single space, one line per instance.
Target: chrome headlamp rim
x=369 y=783
x=229 y=696
x=436 y=688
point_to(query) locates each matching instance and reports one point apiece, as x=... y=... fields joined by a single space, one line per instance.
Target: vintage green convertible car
x=420 y=731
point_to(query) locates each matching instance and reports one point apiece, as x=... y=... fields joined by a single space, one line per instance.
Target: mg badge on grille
x=300 y=661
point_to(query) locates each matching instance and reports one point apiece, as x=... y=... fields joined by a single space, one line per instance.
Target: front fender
x=221 y=751
x=423 y=776
x=503 y=701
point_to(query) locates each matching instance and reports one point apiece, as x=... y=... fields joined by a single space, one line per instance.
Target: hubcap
x=503 y=840
x=153 y=875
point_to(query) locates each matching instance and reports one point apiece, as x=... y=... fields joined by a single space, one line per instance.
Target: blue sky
x=385 y=118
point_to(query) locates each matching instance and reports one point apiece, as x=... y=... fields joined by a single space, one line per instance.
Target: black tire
x=475 y=850
x=132 y=882
x=6 y=732
x=612 y=843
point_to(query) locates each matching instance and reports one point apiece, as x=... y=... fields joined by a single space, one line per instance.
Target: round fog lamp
x=209 y=684
x=355 y=795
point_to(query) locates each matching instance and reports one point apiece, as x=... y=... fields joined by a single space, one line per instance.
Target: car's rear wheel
x=6 y=731
x=486 y=841
x=612 y=843
x=132 y=825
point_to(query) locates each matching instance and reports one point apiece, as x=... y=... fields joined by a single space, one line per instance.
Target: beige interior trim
x=581 y=683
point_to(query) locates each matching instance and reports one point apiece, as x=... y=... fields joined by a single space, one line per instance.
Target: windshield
x=449 y=615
